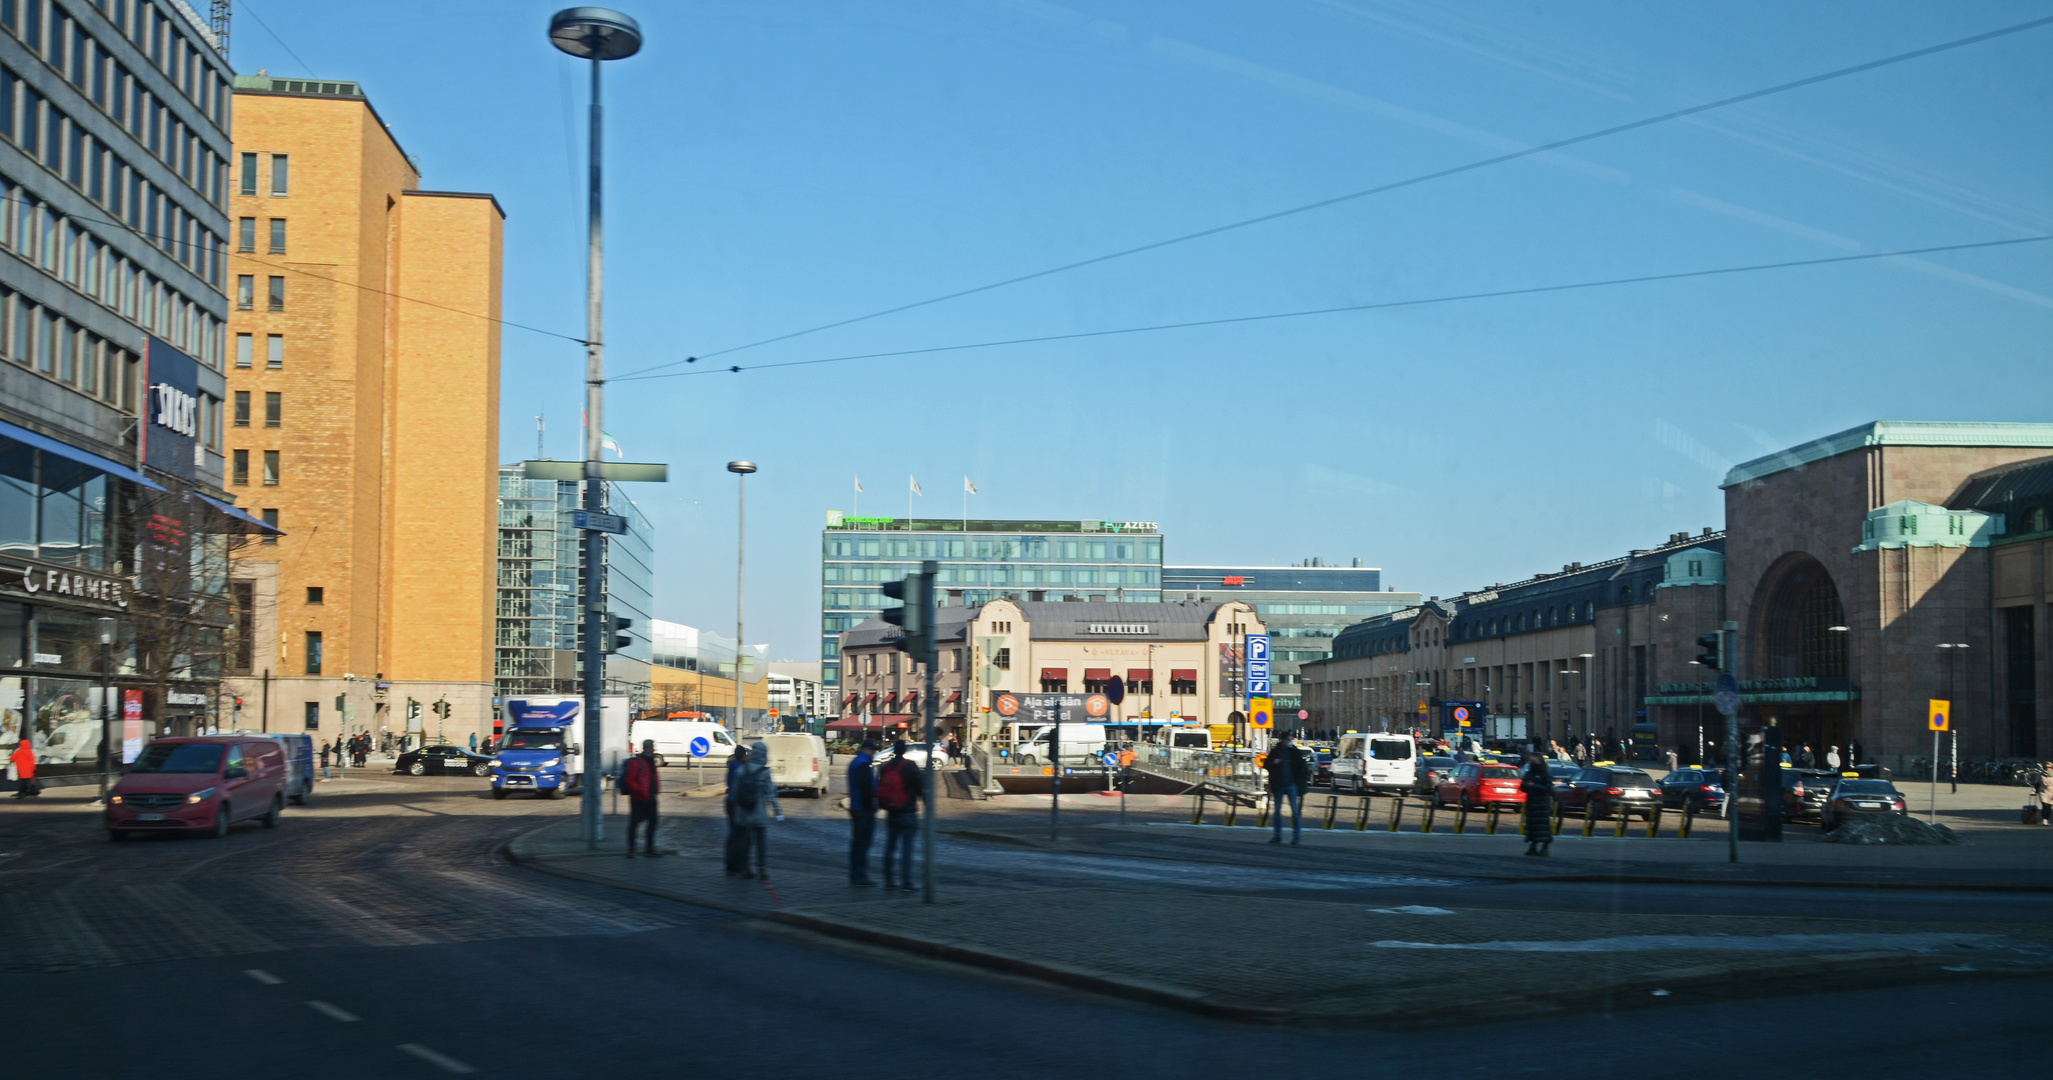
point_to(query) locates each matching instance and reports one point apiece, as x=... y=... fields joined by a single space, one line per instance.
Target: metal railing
x=1230 y=772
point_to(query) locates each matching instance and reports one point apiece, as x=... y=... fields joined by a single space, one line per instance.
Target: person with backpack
x=899 y=790
x=1288 y=777
x=639 y=779
x=737 y=834
x=754 y=792
x=862 y=814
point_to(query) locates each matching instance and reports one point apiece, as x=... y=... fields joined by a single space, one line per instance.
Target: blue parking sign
x=1257 y=665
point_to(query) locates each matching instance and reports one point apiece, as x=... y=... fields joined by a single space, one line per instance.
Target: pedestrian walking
x=1539 y=805
x=899 y=791
x=639 y=779
x=862 y=814
x=1832 y=758
x=324 y=761
x=2042 y=786
x=754 y=792
x=1288 y=775
x=473 y=742
x=1674 y=761
x=24 y=761
x=737 y=837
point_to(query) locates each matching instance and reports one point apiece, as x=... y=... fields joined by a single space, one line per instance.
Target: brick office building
x=364 y=383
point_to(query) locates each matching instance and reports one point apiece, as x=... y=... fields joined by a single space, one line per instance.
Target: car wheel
x=418 y=768
x=559 y=791
x=277 y=809
x=498 y=792
x=660 y=762
x=481 y=769
x=300 y=799
x=220 y=822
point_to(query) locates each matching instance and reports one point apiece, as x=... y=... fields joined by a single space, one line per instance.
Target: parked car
x=445 y=760
x=1608 y=790
x=1477 y=784
x=1368 y=762
x=1854 y=798
x=799 y=760
x=1701 y=790
x=198 y=784
x=1804 y=792
x=1320 y=758
x=1432 y=770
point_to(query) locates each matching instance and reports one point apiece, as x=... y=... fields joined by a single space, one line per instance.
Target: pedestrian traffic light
x=1709 y=653
x=916 y=616
x=617 y=638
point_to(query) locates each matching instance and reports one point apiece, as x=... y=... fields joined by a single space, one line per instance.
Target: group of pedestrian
x=896 y=788
x=751 y=804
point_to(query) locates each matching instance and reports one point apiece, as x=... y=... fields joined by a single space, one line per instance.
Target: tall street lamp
x=107 y=758
x=596 y=34
x=740 y=469
x=1586 y=657
x=1952 y=736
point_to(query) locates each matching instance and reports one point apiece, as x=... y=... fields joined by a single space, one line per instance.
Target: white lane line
x=441 y=1061
x=262 y=976
x=331 y=1012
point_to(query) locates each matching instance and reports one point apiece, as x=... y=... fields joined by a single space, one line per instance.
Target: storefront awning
x=1183 y=674
x=87 y=458
x=1140 y=675
x=853 y=723
x=1055 y=673
x=1097 y=674
x=239 y=514
x=955 y=698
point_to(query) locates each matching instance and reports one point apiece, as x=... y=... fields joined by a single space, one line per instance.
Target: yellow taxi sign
x=1941 y=712
x=1851 y=775
x=1261 y=712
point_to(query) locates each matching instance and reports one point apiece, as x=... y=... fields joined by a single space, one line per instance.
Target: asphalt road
x=380 y=934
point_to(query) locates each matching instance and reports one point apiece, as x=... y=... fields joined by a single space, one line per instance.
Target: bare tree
x=179 y=619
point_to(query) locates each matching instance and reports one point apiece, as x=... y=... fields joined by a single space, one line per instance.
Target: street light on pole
x=1952 y=735
x=596 y=34
x=107 y=757
x=740 y=469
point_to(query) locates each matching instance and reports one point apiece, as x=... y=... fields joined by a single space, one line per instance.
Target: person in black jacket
x=1539 y=805
x=862 y=814
x=1289 y=775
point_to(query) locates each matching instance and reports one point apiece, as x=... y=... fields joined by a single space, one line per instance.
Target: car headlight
x=201 y=795
x=552 y=761
x=115 y=799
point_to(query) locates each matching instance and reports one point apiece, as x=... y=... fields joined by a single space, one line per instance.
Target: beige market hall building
x=1180 y=662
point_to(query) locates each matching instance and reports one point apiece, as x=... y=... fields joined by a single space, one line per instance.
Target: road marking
x=441 y=1061
x=331 y=1012
x=263 y=976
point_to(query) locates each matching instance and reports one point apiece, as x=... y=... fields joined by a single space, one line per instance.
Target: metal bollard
x=1461 y=819
x=1558 y=812
x=1197 y=809
x=1689 y=814
x=1623 y=817
x=1361 y=817
x=1396 y=812
x=1432 y=811
x=1231 y=806
x=1491 y=828
x=1589 y=821
x=1332 y=808
x=1654 y=822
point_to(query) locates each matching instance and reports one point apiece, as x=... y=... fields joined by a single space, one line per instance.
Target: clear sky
x=775 y=166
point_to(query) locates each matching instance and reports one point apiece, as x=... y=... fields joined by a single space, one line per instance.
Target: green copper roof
x=1891 y=433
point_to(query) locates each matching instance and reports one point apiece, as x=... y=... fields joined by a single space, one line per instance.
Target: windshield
x=1631 y=779
x=1500 y=772
x=178 y=758
x=535 y=740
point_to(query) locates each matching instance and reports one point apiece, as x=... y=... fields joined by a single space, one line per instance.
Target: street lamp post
x=1586 y=658
x=740 y=469
x=1952 y=736
x=596 y=34
x=107 y=757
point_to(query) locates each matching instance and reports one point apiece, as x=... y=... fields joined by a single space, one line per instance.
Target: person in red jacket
x=24 y=759
x=639 y=779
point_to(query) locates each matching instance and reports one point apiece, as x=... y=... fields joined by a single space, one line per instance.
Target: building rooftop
x=1891 y=433
x=1175 y=620
x=851 y=523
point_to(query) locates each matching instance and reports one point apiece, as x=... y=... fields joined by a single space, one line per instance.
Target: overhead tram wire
x=1422 y=178
x=1493 y=294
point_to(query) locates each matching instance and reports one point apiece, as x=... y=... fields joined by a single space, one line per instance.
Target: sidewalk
x=1303 y=959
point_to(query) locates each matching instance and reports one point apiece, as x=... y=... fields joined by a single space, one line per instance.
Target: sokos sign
x=172 y=435
x=175 y=409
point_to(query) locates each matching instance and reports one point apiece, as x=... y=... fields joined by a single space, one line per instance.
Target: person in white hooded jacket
x=753 y=795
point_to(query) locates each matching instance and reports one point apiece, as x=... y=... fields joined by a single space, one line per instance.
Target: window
x=249 y=176
x=313 y=710
x=245 y=292
x=270 y=517
x=242 y=408
x=244 y=350
x=274 y=351
x=242 y=651
x=1055 y=680
x=246 y=234
x=277 y=294
x=1003 y=660
x=277 y=236
x=274 y=408
x=270 y=468
x=955 y=659
x=313 y=652
x=279 y=175
x=315 y=594
x=241 y=466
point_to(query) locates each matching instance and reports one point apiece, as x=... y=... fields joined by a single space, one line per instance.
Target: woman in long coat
x=1539 y=805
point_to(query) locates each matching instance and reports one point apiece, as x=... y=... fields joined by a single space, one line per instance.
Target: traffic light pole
x=1731 y=751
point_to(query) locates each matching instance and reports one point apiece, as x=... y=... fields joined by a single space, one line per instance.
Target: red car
x=1474 y=784
x=199 y=784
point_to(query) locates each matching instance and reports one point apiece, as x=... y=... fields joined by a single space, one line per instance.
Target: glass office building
x=537 y=630
x=1303 y=606
x=980 y=560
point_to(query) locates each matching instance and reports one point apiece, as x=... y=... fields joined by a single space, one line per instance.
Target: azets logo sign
x=176 y=410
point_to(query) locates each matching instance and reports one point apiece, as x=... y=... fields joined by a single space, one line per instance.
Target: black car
x=1854 y=797
x=1804 y=792
x=1604 y=791
x=1702 y=790
x=1320 y=758
x=1432 y=770
x=446 y=760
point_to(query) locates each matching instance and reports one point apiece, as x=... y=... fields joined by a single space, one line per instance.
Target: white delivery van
x=1372 y=762
x=674 y=738
x=1079 y=742
x=1185 y=738
x=798 y=760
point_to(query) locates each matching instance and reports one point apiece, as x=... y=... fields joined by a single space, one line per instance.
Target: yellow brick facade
x=388 y=435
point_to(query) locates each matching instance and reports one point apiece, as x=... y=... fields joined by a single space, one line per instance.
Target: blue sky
x=776 y=166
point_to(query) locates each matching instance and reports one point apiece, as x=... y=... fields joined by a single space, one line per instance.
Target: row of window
x=246 y=293
x=1001 y=575
x=78 y=57
x=37 y=338
x=274 y=408
x=246 y=235
x=239 y=468
x=994 y=548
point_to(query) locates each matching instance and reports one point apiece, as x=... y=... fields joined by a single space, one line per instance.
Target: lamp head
x=595 y=33
x=741 y=467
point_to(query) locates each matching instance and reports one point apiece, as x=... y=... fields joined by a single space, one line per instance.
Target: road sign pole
x=1728 y=703
x=931 y=569
x=1932 y=814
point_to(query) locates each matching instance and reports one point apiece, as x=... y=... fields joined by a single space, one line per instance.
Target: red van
x=199 y=784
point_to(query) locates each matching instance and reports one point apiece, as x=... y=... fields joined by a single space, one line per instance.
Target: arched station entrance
x=1798 y=674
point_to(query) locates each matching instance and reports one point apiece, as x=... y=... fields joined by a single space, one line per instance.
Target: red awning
x=1097 y=674
x=1140 y=674
x=872 y=699
x=955 y=697
x=852 y=723
x=1183 y=674
x=891 y=698
x=1055 y=673
x=853 y=697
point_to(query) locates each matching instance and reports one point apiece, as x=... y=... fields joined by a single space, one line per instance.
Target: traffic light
x=916 y=616
x=341 y=702
x=442 y=708
x=1709 y=651
x=413 y=709
x=617 y=638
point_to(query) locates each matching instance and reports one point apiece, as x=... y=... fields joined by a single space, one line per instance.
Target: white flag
x=967 y=487
x=858 y=483
x=916 y=486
